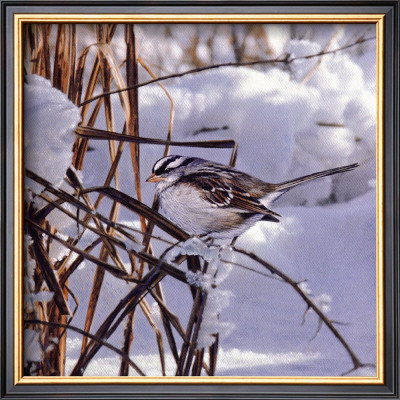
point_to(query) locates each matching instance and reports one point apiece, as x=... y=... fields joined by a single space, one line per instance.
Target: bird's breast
x=195 y=215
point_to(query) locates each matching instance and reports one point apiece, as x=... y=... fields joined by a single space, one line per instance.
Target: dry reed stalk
x=170 y=121
x=108 y=327
x=65 y=273
x=133 y=118
x=81 y=145
x=72 y=61
x=110 y=268
x=60 y=50
x=102 y=234
x=261 y=37
x=89 y=216
x=107 y=62
x=79 y=74
x=213 y=353
x=64 y=77
x=237 y=48
x=198 y=307
x=107 y=243
x=64 y=62
x=38 y=41
x=105 y=69
x=47 y=271
x=126 y=305
x=146 y=311
x=110 y=175
x=116 y=195
x=167 y=318
x=198 y=362
x=188 y=333
x=57 y=310
x=81 y=151
x=99 y=134
x=45 y=68
x=94 y=295
x=150 y=226
x=31 y=47
x=57 y=356
x=128 y=338
x=165 y=312
x=82 y=332
x=34 y=48
x=97 y=283
x=171 y=109
x=62 y=58
x=132 y=123
x=140 y=208
x=105 y=234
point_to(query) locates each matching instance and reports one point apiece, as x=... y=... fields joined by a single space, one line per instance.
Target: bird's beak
x=153 y=178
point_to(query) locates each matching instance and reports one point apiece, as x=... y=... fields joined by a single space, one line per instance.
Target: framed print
x=200 y=202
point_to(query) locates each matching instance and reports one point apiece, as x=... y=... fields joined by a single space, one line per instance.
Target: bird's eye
x=160 y=171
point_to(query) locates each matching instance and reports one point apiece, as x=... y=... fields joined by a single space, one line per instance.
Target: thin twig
x=285 y=60
x=356 y=362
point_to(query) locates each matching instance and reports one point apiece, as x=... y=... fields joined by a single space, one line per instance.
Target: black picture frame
x=390 y=388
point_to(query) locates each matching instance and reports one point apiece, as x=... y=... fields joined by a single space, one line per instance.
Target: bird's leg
x=234 y=241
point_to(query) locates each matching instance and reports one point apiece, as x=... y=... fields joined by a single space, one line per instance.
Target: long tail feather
x=289 y=184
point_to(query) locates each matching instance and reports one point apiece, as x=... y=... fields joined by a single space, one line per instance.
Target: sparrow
x=212 y=200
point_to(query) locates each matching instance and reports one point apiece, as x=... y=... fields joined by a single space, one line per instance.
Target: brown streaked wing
x=221 y=192
x=246 y=202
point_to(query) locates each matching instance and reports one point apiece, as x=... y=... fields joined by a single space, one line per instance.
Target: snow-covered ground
x=286 y=126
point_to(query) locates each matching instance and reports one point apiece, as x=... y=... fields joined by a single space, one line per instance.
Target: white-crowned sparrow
x=209 y=199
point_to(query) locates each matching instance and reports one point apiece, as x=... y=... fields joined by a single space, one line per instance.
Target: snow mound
x=49 y=119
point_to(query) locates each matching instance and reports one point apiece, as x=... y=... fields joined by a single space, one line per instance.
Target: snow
x=57 y=250
x=155 y=313
x=32 y=348
x=285 y=128
x=228 y=361
x=41 y=296
x=217 y=301
x=49 y=119
x=278 y=113
x=218 y=269
x=333 y=247
x=133 y=246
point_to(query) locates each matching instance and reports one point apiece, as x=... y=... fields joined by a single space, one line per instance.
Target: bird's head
x=170 y=168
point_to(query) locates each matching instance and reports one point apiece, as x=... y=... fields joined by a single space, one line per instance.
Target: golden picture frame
x=20 y=19
x=377 y=19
